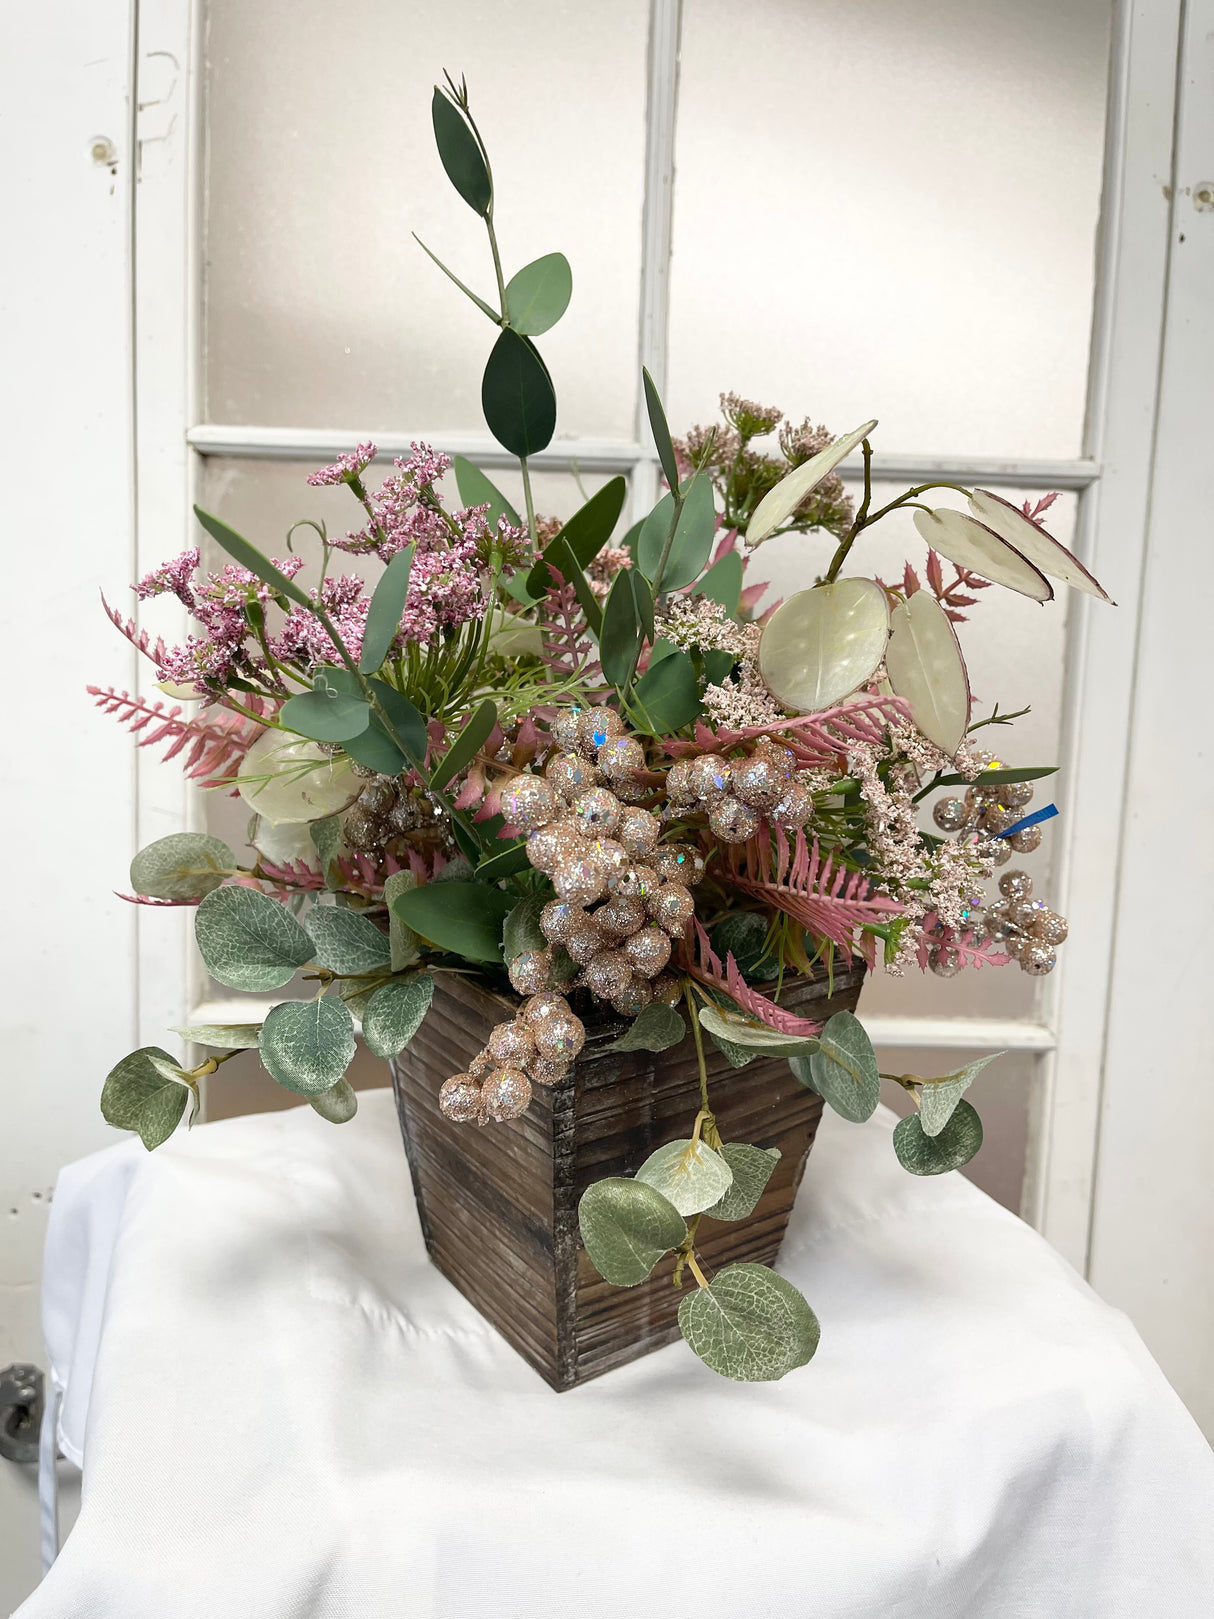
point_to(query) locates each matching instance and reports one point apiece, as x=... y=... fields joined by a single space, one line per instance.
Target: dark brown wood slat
x=498 y=1206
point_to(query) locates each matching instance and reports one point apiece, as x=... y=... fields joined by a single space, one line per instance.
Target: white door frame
x=1113 y=478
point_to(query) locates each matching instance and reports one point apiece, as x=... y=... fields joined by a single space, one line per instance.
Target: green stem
x=864 y=520
x=698 y=1037
x=531 y=529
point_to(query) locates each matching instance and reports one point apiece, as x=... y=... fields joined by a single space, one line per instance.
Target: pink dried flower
x=347 y=467
x=174 y=576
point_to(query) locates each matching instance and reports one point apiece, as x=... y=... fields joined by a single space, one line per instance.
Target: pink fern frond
x=828 y=900
x=973 y=949
x=147 y=899
x=139 y=639
x=704 y=964
x=217 y=738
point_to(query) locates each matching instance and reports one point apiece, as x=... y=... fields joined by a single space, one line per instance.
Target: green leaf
x=338 y=1104
x=661 y=431
x=394 y=1013
x=326 y=714
x=669 y=694
x=138 y=1094
x=477 y=730
x=956 y=1144
x=251 y=558
x=620 y=635
x=185 y=865
x=463 y=917
x=401 y=939
x=326 y=840
x=998 y=778
x=248 y=940
x=752 y=1169
x=517 y=396
x=460 y=154
x=223 y=1036
x=754 y=1036
x=718 y=664
x=939 y=1097
x=656 y=1028
x=743 y=935
x=735 y=1056
x=521 y=930
x=749 y=1324
x=357 y=992
x=689 y=1174
x=561 y=556
x=307 y=1045
x=626 y=1228
x=845 y=1069
x=385 y=612
x=693 y=536
x=512 y=859
x=477 y=490
x=409 y=723
x=642 y=593
x=723 y=582
x=467 y=291
x=538 y=295
x=586 y=533
x=375 y=748
x=346 y=942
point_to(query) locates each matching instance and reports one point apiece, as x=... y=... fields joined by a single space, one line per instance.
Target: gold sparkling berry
x=621 y=757
x=596 y=813
x=672 y=908
x=543 y=1006
x=561 y=1037
x=732 y=821
x=621 y=915
x=579 y=879
x=570 y=775
x=511 y=1044
x=710 y=777
x=648 y=950
x=667 y=989
x=596 y=727
x=634 y=998
x=564 y=728
x=529 y=802
x=1016 y=885
x=679 y=789
x=638 y=831
x=505 y=1094
x=607 y=974
x=531 y=971
x=584 y=940
x=459 y=1099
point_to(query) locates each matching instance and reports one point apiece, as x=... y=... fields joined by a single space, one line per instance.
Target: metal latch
x=21 y=1398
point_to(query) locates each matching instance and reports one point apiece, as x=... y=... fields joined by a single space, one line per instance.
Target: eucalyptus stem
x=698 y=1037
x=531 y=529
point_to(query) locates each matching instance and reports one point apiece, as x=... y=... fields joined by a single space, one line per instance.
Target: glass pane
x=1015 y=650
x=889 y=210
x=321 y=310
x=1001 y=1094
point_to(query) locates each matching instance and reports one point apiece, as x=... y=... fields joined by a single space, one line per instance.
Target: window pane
x=889 y=210
x=1001 y=1094
x=321 y=310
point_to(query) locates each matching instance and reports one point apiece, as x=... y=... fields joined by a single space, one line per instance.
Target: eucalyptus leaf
x=656 y=1027
x=326 y=840
x=586 y=533
x=248 y=556
x=375 y=750
x=476 y=731
x=248 y=940
x=939 y=1097
x=755 y=1036
x=307 y=1045
x=185 y=865
x=410 y=725
x=620 y=634
x=386 y=610
x=338 y=1104
x=694 y=534
x=394 y=1014
x=138 y=1094
x=821 y=644
x=689 y=1175
x=521 y=930
x=999 y=777
x=723 y=582
x=749 y=1324
x=485 y=309
x=752 y=1169
x=402 y=940
x=626 y=1227
x=538 y=294
x=845 y=1068
x=517 y=396
x=222 y=1036
x=669 y=694
x=460 y=154
x=956 y=1144
x=463 y=917
x=735 y=1056
x=346 y=942
x=780 y=503
x=477 y=490
x=326 y=714
x=661 y=430
x=718 y=665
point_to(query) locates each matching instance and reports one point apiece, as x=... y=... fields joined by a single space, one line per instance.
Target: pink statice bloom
x=346 y=467
x=303 y=639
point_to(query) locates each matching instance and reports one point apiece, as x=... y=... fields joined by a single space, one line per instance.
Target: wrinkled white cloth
x=284 y=1411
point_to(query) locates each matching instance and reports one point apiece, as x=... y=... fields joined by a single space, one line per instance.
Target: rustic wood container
x=498 y=1205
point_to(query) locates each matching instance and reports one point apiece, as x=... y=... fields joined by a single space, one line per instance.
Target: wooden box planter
x=498 y=1205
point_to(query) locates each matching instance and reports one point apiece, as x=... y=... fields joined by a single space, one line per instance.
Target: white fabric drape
x=284 y=1411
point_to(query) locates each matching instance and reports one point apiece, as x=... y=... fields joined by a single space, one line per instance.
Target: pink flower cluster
x=303 y=639
x=347 y=467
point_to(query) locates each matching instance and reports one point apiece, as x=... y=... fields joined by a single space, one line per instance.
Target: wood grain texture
x=498 y=1205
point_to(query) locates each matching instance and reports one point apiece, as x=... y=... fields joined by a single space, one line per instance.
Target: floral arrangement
x=584 y=765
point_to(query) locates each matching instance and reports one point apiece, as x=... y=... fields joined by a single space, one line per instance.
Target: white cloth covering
x=284 y=1411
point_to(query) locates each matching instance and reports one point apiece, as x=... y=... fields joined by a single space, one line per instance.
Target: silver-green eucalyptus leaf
x=749 y=1324
x=222 y=1036
x=339 y=1104
x=939 y=1097
x=347 y=942
x=143 y=1093
x=401 y=938
x=393 y=1014
x=626 y=1227
x=752 y=1169
x=248 y=940
x=307 y=1045
x=185 y=865
x=689 y=1175
x=753 y=1036
x=845 y=1068
x=955 y=1145
x=656 y=1028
